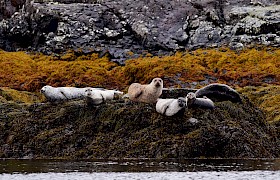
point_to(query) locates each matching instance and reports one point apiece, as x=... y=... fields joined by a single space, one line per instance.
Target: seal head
x=181 y=102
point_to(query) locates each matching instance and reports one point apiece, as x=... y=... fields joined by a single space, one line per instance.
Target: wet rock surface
x=126 y=28
x=119 y=129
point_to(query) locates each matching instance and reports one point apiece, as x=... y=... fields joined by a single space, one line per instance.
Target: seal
x=219 y=92
x=194 y=102
x=95 y=96
x=112 y=94
x=53 y=94
x=147 y=93
x=170 y=107
x=72 y=92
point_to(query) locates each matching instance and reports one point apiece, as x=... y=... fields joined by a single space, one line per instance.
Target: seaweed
x=118 y=129
x=189 y=69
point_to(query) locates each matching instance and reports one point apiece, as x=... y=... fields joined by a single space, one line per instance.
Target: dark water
x=208 y=169
x=147 y=165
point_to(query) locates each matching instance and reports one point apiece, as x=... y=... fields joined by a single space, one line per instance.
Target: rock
x=236 y=46
x=9 y=7
x=157 y=27
x=122 y=130
x=193 y=120
x=206 y=35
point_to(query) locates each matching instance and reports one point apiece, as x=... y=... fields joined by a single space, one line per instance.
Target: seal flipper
x=103 y=99
x=64 y=95
x=138 y=94
x=164 y=112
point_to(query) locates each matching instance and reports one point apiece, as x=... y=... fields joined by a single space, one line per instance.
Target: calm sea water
x=225 y=169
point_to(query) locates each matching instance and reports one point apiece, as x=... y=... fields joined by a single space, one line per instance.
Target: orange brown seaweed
x=23 y=71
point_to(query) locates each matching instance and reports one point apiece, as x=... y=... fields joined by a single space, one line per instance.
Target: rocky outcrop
x=134 y=130
x=9 y=7
x=127 y=28
x=121 y=129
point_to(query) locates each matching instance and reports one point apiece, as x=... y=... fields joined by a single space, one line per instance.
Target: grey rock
x=137 y=26
x=193 y=120
x=236 y=46
x=206 y=35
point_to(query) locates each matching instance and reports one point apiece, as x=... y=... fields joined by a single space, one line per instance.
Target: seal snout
x=182 y=105
x=182 y=102
x=42 y=90
x=88 y=92
x=190 y=95
x=157 y=82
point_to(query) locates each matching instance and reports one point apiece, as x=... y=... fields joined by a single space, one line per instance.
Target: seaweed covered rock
x=266 y=98
x=175 y=92
x=134 y=130
x=12 y=95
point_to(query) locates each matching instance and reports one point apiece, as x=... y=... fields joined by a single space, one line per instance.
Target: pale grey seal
x=193 y=101
x=97 y=96
x=62 y=93
x=170 y=107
